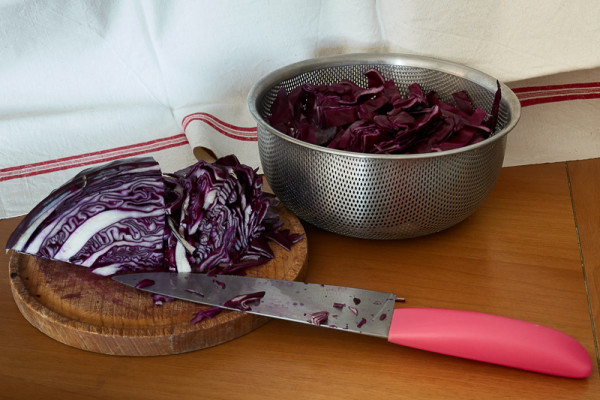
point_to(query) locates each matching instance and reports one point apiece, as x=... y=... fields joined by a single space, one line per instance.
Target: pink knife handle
x=490 y=338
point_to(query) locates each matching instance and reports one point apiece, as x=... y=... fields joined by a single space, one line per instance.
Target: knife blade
x=466 y=334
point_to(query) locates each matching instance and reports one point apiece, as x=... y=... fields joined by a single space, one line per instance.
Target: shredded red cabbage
x=220 y=209
x=207 y=313
x=243 y=301
x=160 y=299
x=144 y=283
x=319 y=317
x=194 y=292
x=220 y=284
x=378 y=119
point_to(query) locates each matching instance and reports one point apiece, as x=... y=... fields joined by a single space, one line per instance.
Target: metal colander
x=382 y=196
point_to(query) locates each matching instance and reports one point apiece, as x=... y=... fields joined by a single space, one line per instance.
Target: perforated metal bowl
x=382 y=196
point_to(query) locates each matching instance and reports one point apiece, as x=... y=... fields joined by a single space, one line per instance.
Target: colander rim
x=509 y=98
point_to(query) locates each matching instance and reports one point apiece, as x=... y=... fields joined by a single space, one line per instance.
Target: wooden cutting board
x=95 y=313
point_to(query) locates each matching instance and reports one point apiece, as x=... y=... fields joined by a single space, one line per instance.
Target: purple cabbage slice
x=378 y=119
x=220 y=210
x=207 y=313
x=160 y=299
x=242 y=302
x=318 y=318
x=144 y=283
x=110 y=218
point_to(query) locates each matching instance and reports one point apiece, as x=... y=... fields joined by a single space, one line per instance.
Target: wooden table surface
x=531 y=252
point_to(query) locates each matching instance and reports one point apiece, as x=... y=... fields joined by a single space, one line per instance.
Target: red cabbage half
x=378 y=119
x=109 y=218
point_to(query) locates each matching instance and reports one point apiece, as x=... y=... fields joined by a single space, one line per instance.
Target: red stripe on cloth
x=550 y=93
x=554 y=99
x=224 y=128
x=555 y=87
x=96 y=157
x=533 y=95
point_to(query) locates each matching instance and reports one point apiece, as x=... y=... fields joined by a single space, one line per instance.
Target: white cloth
x=86 y=81
x=560 y=119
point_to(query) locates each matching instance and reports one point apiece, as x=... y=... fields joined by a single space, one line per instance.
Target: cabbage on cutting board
x=113 y=218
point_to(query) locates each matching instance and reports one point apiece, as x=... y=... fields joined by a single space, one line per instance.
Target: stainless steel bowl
x=382 y=196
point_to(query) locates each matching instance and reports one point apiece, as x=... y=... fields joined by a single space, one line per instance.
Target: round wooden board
x=95 y=313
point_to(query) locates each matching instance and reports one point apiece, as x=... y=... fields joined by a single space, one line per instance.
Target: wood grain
x=517 y=256
x=95 y=313
x=585 y=186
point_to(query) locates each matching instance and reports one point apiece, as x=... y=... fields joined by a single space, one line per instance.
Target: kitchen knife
x=472 y=335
